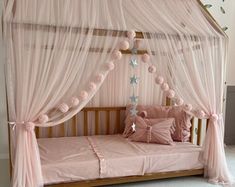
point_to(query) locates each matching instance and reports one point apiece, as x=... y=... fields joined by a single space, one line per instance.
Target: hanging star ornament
x=134 y=80
x=133 y=62
x=134 y=99
x=133 y=112
x=134 y=50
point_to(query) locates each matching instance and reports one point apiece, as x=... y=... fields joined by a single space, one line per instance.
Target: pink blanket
x=82 y=158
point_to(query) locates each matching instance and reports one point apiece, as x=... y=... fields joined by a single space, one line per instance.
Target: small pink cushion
x=153 y=130
x=182 y=119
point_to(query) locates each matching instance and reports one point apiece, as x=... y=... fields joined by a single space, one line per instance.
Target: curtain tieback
x=29 y=126
x=215 y=117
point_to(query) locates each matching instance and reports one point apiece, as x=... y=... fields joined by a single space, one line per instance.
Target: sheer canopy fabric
x=54 y=53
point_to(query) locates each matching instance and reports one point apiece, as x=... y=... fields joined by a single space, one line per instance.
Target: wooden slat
x=85 y=123
x=207 y=123
x=62 y=129
x=97 y=119
x=37 y=132
x=74 y=125
x=168 y=101
x=104 y=32
x=120 y=180
x=50 y=132
x=103 y=108
x=192 y=131
x=107 y=122
x=199 y=132
x=118 y=114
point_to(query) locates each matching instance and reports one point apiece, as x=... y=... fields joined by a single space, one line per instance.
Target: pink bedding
x=82 y=158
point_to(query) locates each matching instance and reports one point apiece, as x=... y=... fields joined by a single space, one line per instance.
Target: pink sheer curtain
x=53 y=61
x=53 y=70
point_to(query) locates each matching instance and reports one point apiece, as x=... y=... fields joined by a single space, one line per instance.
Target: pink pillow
x=153 y=130
x=182 y=119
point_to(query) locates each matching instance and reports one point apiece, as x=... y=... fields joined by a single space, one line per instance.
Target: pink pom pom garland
x=152 y=69
x=83 y=95
x=188 y=107
x=179 y=101
x=29 y=126
x=63 y=107
x=170 y=93
x=117 y=55
x=92 y=86
x=74 y=101
x=124 y=45
x=109 y=66
x=145 y=58
x=159 y=80
x=99 y=78
x=131 y=34
x=43 y=118
x=164 y=87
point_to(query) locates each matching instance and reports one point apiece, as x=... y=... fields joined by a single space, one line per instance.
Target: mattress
x=70 y=159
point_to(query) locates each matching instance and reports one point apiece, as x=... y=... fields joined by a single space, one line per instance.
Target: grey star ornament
x=134 y=99
x=133 y=112
x=133 y=62
x=134 y=79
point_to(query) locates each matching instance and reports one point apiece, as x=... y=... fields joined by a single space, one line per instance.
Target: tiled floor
x=176 y=182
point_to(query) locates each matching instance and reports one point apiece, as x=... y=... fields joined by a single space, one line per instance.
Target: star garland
x=134 y=80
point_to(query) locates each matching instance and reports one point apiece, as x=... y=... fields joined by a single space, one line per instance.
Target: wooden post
x=85 y=123
x=97 y=119
x=192 y=131
x=199 y=132
x=107 y=122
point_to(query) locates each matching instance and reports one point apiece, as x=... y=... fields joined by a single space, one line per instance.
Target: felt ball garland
x=43 y=118
x=170 y=93
x=117 y=55
x=124 y=45
x=74 y=101
x=92 y=86
x=63 y=107
x=131 y=34
x=159 y=79
x=179 y=101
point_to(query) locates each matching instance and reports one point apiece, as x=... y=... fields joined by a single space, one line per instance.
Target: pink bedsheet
x=82 y=158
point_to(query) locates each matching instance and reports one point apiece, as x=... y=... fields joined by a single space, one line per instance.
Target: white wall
x=227 y=19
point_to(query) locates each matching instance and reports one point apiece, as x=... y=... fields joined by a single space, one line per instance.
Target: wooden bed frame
x=119 y=115
x=118 y=129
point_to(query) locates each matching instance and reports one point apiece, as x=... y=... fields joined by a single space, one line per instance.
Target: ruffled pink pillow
x=182 y=119
x=153 y=130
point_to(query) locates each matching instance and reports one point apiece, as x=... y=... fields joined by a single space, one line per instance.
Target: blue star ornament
x=134 y=99
x=133 y=63
x=134 y=79
x=133 y=112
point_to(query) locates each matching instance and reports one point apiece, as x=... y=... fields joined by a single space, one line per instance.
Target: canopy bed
x=69 y=68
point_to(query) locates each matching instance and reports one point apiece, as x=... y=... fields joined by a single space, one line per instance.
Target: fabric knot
x=149 y=132
x=214 y=117
x=29 y=126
